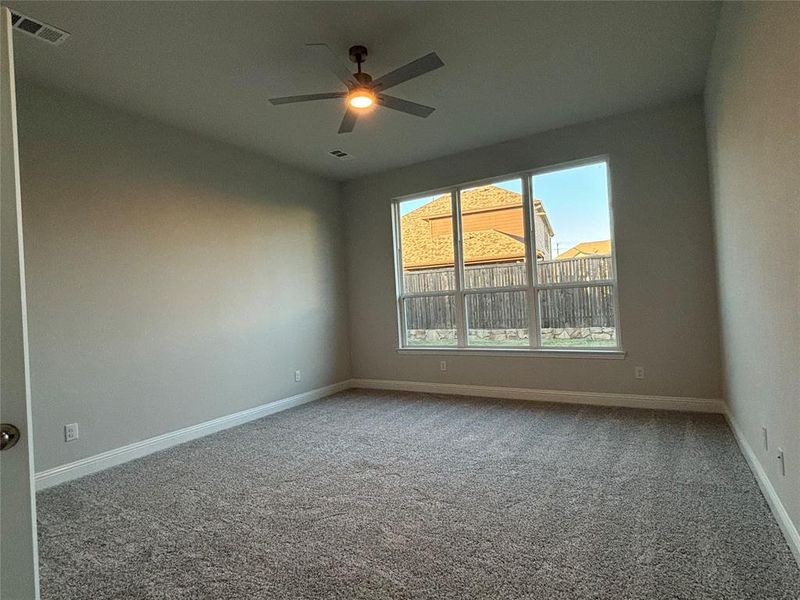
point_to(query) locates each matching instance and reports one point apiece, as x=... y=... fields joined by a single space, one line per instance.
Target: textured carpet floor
x=394 y=495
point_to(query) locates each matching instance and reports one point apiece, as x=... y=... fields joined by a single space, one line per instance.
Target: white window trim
x=533 y=288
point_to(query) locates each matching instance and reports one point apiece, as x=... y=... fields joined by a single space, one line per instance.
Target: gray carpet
x=389 y=495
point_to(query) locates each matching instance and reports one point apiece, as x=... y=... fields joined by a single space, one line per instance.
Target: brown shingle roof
x=587 y=249
x=422 y=249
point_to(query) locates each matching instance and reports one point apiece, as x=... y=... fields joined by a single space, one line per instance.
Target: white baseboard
x=117 y=456
x=776 y=506
x=590 y=398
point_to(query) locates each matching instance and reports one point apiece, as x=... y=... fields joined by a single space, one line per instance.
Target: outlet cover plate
x=71 y=432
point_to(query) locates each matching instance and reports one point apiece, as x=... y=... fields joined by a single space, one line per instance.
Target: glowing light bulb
x=361 y=98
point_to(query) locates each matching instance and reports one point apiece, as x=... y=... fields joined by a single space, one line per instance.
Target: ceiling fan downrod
x=358 y=54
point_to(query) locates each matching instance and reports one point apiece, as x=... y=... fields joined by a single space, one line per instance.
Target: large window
x=522 y=262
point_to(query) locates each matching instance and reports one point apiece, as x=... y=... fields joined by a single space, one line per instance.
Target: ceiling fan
x=363 y=92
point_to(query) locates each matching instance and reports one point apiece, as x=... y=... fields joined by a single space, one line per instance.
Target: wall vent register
x=340 y=154
x=38 y=29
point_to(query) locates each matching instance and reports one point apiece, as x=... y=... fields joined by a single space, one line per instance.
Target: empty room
x=399 y=300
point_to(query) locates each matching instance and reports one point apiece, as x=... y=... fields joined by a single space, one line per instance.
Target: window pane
x=579 y=316
x=493 y=233
x=497 y=319
x=574 y=202
x=430 y=321
x=426 y=244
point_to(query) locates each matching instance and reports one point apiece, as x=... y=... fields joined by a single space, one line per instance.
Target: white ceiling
x=511 y=69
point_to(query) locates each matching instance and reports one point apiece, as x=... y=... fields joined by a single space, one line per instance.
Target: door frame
x=19 y=569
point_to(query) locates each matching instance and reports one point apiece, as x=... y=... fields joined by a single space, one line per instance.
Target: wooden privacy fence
x=580 y=306
x=571 y=270
x=577 y=307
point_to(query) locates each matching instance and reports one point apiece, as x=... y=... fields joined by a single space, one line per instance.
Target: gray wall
x=668 y=303
x=753 y=108
x=171 y=279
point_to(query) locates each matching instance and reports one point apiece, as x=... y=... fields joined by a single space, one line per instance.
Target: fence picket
x=580 y=306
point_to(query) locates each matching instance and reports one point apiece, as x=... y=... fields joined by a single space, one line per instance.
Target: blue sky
x=576 y=201
x=408 y=205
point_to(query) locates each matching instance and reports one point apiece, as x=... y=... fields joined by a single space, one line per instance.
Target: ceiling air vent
x=340 y=154
x=43 y=31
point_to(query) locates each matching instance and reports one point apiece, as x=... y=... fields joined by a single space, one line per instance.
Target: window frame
x=533 y=288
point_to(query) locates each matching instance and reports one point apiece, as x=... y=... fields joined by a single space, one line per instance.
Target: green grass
x=579 y=343
x=495 y=344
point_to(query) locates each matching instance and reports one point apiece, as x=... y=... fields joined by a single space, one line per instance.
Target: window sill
x=613 y=353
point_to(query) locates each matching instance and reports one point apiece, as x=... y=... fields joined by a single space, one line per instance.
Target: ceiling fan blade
x=348 y=122
x=423 y=65
x=412 y=108
x=323 y=54
x=306 y=98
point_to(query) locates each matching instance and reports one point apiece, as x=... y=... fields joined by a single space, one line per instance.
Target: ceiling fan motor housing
x=363 y=79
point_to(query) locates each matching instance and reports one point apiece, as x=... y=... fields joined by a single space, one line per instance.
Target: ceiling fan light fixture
x=364 y=93
x=361 y=98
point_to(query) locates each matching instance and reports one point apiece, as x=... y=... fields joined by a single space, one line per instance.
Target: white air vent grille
x=43 y=31
x=340 y=154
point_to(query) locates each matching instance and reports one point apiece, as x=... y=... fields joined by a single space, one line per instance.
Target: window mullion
x=534 y=329
x=440 y=293
x=398 y=275
x=491 y=290
x=458 y=271
x=578 y=284
x=614 y=275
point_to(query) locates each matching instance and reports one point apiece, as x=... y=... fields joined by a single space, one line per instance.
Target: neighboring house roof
x=492 y=229
x=587 y=249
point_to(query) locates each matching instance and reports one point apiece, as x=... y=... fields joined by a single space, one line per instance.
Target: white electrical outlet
x=71 y=432
x=766 y=438
x=297 y=375
x=443 y=365
x=638 y=372
x=781 y=463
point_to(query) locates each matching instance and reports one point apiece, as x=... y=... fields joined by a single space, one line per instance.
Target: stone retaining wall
x=579 y=333
x=447 y=336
